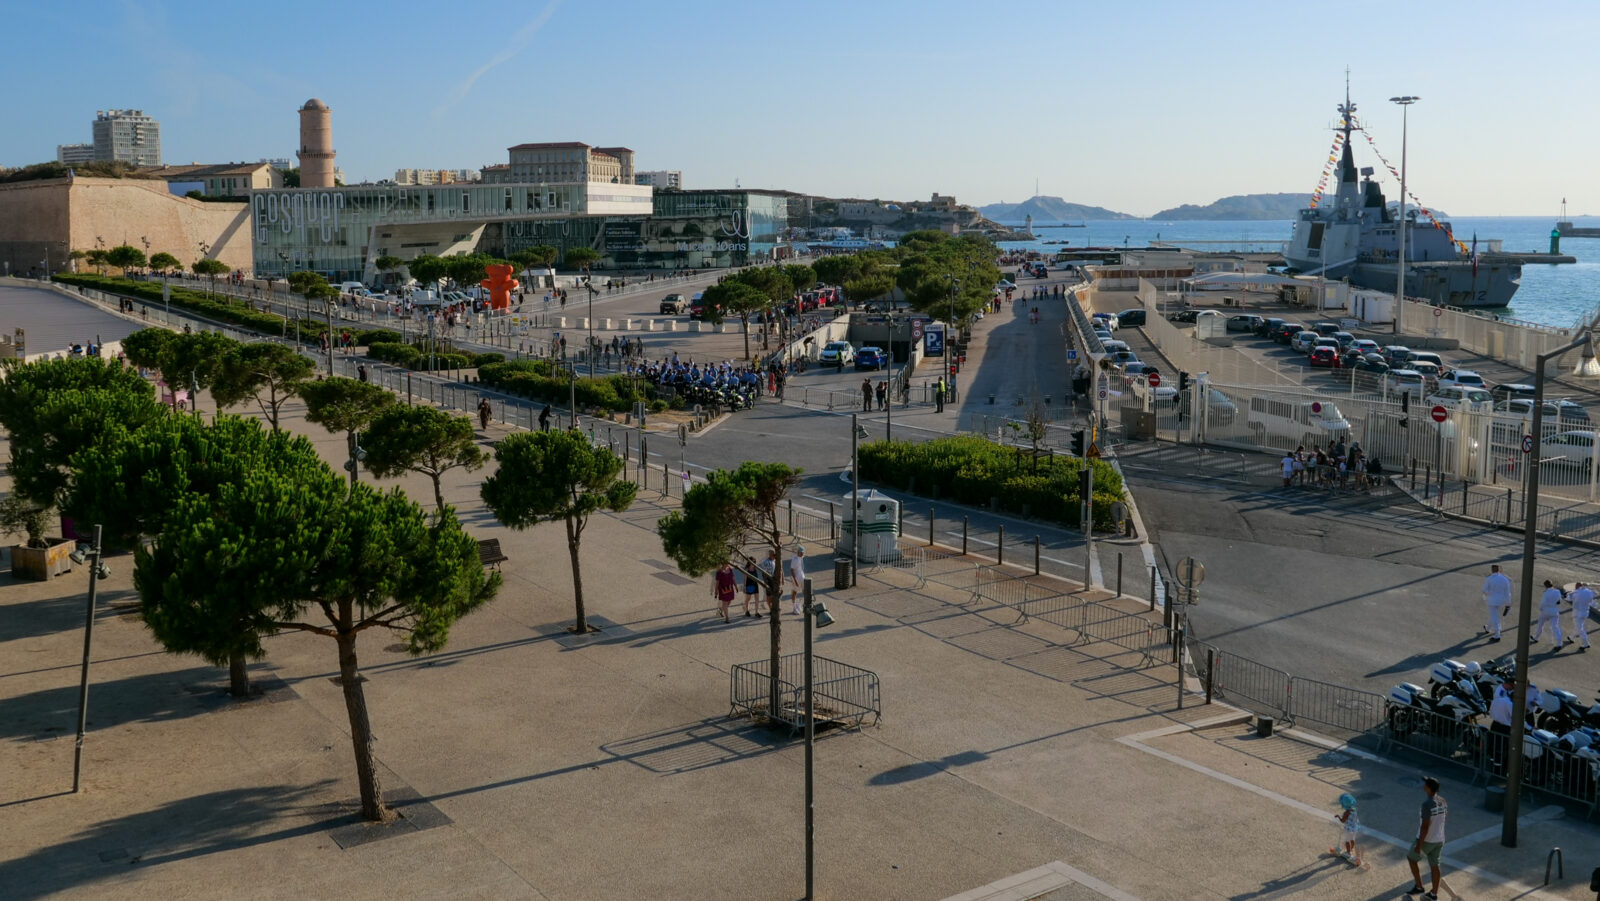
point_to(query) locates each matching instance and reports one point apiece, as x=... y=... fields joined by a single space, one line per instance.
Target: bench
x=489 y=553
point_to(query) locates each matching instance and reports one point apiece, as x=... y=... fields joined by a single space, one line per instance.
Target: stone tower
x=316 y=145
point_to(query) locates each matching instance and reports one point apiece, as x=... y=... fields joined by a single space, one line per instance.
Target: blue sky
x=1134 y=106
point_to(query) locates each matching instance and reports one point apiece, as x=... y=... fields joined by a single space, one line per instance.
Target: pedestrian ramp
x=1055 y=881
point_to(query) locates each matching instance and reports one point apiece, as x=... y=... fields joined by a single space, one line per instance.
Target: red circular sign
x=1155 y=379
x=1440 y=414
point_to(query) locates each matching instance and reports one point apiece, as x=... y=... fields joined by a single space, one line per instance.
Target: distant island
x=1048 y=209
x=1242 y=206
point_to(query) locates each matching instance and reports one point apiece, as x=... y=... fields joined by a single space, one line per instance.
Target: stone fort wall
x=55 y=216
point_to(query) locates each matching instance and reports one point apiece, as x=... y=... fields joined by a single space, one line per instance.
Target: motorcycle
x=1582 y=769
x=1559 y=711
x=1410 y=709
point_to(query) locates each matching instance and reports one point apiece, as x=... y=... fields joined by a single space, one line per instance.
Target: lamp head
x=102 y=571
x=819 y=612
x=861 y=431
x=79 y=556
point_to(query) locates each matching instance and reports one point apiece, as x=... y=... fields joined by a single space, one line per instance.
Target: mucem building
x=340 y=232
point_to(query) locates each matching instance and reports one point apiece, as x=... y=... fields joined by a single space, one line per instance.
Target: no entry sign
x=1440 y=414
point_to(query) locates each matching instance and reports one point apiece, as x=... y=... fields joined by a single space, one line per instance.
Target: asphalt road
x=53 y=323
x=1350 y=589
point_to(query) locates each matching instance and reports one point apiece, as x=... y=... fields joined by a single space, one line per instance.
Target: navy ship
x=1356 y=236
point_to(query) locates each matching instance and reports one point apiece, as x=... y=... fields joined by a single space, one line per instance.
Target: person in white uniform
x=1549 y=614
x=1582 y=599
x=797 y=577
x=1497 y=594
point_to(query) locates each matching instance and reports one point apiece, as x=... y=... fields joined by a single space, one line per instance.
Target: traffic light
x=1077 y=443
x=1183 y=382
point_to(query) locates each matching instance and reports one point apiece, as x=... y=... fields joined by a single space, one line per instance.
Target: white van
x=1288 y=423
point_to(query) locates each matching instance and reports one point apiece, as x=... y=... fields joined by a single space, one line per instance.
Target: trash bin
x=841 y=573
x=1264 y=726
x=1494 y=798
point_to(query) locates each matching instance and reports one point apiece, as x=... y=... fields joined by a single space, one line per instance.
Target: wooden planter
x=40 y=564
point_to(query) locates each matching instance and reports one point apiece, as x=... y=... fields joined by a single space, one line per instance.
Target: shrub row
x=219 y=308
x=537 y=380
x=415 y=356
x=973 y=470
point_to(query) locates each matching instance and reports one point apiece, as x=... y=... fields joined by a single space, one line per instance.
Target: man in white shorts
x=1497 y=594
x=797 y=576
x=1582 y=599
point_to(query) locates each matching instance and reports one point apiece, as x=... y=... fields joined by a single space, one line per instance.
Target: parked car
x=1366 y=346
x=1368 y=374
x=673 y=304
x=1325 y=356
x=1138 y=369
x=1326 y=329
x=1569 y=411
x=1108 y=320
x=1114 y=346
x=1345 y=339
x=1286 y=423
x=1427 y=356
x=1286 y=331
x=1244 y=322
x=1103 y=335
x=1330 y=343
x=1511 y=391
x=1123 y=357
x=1302 y=340
x=1130 y=317
x=1183 y=316
x=1003 y=285
x=1462 y=378
x=1468 y=400
x=1404 y=380
x=1266 y=327
x=1430 y=372
x=1219 y=409
x=1396 y=355
x=1573 y=449
x=870 y=358
x=837 y=352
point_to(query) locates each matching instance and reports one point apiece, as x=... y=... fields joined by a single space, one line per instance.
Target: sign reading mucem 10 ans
x=314 y=216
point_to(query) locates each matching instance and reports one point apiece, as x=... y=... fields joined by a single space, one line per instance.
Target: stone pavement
x=528 y=764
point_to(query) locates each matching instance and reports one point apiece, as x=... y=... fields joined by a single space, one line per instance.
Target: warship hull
x=1448 y=283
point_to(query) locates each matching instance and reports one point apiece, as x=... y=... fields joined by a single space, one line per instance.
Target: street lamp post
x=1400 y=285
x=856 y=431
x=1519 y=699
x=97 y=571
x=819 y=611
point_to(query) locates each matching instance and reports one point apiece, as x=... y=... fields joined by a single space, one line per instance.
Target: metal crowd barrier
x=1334 y=708
x=843 y=694
x=1242 y=681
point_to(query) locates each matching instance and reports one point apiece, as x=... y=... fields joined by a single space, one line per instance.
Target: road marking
x=1136 y=742
x=1038 y=881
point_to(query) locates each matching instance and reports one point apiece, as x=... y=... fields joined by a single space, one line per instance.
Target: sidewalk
x=532 y=759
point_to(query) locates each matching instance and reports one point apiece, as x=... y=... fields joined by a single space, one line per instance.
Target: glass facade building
x=340 y=232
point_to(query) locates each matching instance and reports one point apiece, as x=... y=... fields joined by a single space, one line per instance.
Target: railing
x=1334 y=708
x=1242 y=681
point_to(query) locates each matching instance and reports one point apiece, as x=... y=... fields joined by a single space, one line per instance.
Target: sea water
x=1559 y=295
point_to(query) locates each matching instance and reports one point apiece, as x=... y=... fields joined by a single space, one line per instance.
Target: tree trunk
x=238 y=678
x=438 y=495
x=775 y=625
x=582 y=626
x=355 y=702
x=744 y=320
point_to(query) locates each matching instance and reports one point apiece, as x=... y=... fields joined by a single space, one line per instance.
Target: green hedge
x=972 y=470
x=385 y=347
x=537 y=380
x=220 y=308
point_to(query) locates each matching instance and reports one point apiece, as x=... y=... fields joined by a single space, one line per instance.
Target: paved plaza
x=1015 y=759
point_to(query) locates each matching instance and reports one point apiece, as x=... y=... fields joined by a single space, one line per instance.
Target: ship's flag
x=1474 y=254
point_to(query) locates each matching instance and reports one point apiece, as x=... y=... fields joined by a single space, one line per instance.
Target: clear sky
x=1133 y=106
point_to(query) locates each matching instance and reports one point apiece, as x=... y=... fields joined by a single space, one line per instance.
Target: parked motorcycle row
x=726 y=396
x=1560 y=748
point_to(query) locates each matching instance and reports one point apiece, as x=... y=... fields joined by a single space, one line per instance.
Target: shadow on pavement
x=147 y=698
x=179 y=830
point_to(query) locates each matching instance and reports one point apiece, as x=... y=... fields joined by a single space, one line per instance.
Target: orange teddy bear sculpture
x=500 y=284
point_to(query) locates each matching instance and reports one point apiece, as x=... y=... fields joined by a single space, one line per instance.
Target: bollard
x=666 y=480
x=1427 y=477
x=900 y=520
x=1000 y=547
x=1211 y=667
x=1554 y=857
x=1508 y=506
x=1463 y=497
x=833 y=533
x=1152 y=588
x=408 y=392
x=1119 y=574
x=790 y=501
x=963 y=536
x=1177 y=658
x=1036 y=555
x=930 y=527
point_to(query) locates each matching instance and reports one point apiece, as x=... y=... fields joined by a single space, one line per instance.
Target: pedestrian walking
x=883 y=394
x=752 y=586
x=769 y=580
x=361 y=372
x=866 y=395
x=484 y=412
x=1582 y=599
x=1549 y=612
x=1430 y=838
x=938 y=396
x=797 y=575
x=1497 y=594
x=722 y=588
x=1351 y=823
x=1288 y=468
x=544 y=419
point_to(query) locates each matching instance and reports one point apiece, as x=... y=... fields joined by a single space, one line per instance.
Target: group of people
x=674 y=372
x=878 y=392
x=1336 y=466
x=1497 y=596
x=1428 y=846
x=725 y=583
